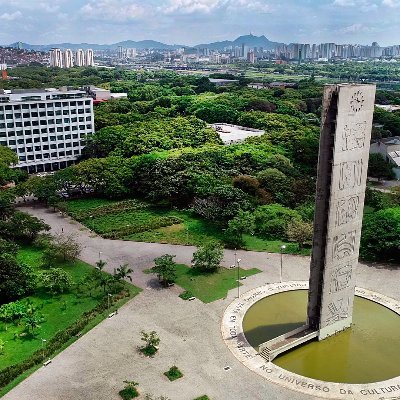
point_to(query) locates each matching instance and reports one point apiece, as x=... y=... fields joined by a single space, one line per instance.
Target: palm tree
x=123 y=272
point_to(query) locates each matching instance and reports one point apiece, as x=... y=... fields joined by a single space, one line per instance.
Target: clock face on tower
x=357 y=101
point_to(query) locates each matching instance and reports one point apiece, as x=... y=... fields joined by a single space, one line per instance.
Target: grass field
x=58 y=311
x=151 y=225
x=212 y=286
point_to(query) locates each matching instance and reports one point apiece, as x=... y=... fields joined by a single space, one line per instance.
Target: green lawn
x=273 y=246
x=157 y=225
x=59 y=311
x=210 y=286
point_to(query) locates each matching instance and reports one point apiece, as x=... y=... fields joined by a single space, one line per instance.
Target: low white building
x=47 y=128
x=230 y=134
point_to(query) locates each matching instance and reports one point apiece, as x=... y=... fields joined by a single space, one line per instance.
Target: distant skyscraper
x=68 y=60
x=89 y=58
x=120 y=52
x=80 y=58
x=56 y=58
x=131 y=53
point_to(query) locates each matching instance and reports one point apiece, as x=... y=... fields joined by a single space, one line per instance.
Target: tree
x=151 y=340
x=56 y=280
x=272 y=220
x=222 y=204
x=22 y=226
x=380 y=237
x=7 y=199
x=123 y=272
x=165 y=268
x=17 y=280
x=277 y=183
x=32 y=319
x=300 y=232
x=61 y=248
x=208 y=257
x=243 y=223
x=378 y=167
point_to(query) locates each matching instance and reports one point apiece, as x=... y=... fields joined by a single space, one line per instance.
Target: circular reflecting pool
x=368 y=352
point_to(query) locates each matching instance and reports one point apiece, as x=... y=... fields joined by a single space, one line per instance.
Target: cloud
x=11 y=16
x=208 y=6
x=391 y=3
x=355 y=28
x=362 y=5
x=109 y=10
x=193 y=6
x=344 y=3
x=251 y=5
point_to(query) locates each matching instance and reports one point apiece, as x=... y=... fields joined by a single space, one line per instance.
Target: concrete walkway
x=96 y=364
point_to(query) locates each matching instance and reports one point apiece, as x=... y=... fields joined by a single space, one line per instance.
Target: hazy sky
x=197 y=21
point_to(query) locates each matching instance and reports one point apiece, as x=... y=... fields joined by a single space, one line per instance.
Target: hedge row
x=11 y=372
x=130 y=230
x=114 y=208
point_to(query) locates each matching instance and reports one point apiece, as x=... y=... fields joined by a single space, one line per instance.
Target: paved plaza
x=95 y=366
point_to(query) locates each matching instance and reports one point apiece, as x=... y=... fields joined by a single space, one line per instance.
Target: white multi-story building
x=56 y=58
x=80 y=58
x=68 y=59
x=89 y=58
x=47 y=128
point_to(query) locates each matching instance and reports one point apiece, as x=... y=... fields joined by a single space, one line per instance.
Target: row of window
x=36 y=114
x=12 y=125
x=42 y=132
x=43 y=105
x=46 y=147
x=46 y=139
x=42 y=137
x=53 y=155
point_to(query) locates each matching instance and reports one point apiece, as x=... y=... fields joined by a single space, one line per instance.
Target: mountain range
x=248 y=40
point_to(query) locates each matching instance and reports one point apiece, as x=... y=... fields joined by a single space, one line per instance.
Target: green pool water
x=368 y=352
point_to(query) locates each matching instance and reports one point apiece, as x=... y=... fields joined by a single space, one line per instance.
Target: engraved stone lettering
x=354 y=136
x=337 y=310
x=350 y=174
x=344 y=245
x=341 y=278
x=347 y=210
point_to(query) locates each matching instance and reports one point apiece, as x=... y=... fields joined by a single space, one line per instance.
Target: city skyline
x=198 y=21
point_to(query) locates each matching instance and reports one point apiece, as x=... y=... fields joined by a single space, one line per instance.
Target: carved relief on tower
x=347 y=210
x=353 y=136
x=341 y=277
x=338 y=309
x=344 y=245
x=350 y=174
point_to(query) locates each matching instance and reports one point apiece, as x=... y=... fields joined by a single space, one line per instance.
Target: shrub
x=173 y=373
x=56 y=280
x=152 y=341
x=129 y=391
x=12 y=311
x=272 y=220
x=186 y=295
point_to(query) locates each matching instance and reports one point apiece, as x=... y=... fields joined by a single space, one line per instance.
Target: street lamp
x=109 y=295
x=43 y=341
x=238 y=277
x=283 y=247
x=100 y=253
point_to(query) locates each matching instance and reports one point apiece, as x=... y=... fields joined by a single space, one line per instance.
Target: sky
x=191 y=22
